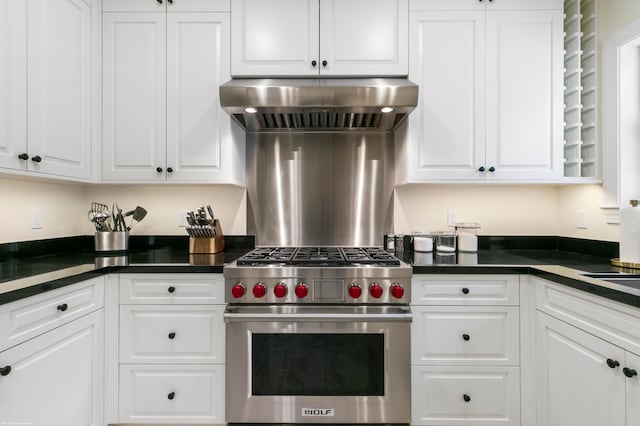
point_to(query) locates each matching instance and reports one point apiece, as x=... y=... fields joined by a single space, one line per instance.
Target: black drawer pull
x=171 y=289
x=612 y=363
x=4 y=371
x=465 y=290
x=466 y=398
x=62 y=307
x=466 y=337
x=172 y=335
x=171 y=395
x=629 y=372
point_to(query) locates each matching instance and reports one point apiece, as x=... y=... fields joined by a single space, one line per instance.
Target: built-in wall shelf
x=580 y=80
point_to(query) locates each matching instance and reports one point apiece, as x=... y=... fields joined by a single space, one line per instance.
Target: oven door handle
x=317 y=317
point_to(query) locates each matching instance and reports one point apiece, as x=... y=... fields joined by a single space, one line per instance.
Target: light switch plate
x=36 y=218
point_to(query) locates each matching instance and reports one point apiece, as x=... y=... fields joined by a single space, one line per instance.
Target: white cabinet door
x=576 y=385
x=364 y=37
x=198 y=130
x=274 y=38
x=447 y=128
x=134 y=103
x=59 y=82
x=13 y=83
x=524 y=94
x=633 y=390
x=56 y=378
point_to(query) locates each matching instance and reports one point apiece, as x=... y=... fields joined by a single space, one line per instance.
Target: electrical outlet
x=36 y=218
x=182 y=218
x=581 y=219
x=451 y=217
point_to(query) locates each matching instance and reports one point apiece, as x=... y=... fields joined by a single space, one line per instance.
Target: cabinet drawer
x=465 y=290
x=476 y=335
x=159 y=6
x=438 y=396
x=167 y=334
x=171 y=394
x=26 y=318
x=171 y=289
x=612 y=321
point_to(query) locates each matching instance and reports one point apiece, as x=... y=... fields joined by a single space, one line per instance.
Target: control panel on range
x=334 y=291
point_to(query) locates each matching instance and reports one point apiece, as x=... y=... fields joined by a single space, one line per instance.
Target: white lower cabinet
x=465 y=395
x=172 y=393
x=465 y=359
x=169 y=354
x=55 y=379
x=586 y=372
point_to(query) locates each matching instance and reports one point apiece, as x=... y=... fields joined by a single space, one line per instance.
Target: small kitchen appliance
x=318 y=335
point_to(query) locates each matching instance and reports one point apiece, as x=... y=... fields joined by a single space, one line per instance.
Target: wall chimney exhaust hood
x=325 y=105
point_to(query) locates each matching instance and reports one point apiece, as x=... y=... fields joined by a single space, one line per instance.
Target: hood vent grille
x=330 y=105
x=316 y=121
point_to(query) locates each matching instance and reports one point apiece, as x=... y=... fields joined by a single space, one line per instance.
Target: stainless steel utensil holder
x=112 y=241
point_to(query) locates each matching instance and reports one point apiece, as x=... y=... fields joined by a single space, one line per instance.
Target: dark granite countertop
x=27 y=272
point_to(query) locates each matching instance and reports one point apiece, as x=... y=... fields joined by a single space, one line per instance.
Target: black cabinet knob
x=466 y=337
x=36 y=159
x=629 y=372
x=170 y=1
x=171 y=289
x=23 y=156
x=466 y=398
x=159 y=1
x=172 y=335
x=314 y=63
x=492 y=169
x=171 y=395
x=612 y=363
x=159 y=169
x=481 y=169
x=465 y=290
x=62 y=307
x=169 y=169
x=4 y=371
x=325 y=63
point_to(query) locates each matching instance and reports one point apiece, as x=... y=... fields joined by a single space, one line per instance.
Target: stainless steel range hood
x=335 y=105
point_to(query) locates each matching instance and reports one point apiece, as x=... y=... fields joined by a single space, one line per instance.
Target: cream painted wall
x=64 y=209
x=616 y=14
x=65 y=206
x=588 y=198
x=499 y=209
x=163 y=203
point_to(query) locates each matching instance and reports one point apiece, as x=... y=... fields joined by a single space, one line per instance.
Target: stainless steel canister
x=112 y=241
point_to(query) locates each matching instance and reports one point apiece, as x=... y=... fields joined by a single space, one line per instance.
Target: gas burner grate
x=318 y=256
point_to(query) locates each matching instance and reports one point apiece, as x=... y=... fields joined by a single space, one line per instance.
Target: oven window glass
x=318 y=364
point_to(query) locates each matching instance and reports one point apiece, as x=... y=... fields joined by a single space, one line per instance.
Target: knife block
x=208 y=245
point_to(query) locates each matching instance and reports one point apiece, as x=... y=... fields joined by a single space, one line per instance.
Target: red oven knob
x=238 y=290
x=375 y=291
x=259 y=290
x=280 y=290
x=397 y=291
x=355 y=291
x=301 y=290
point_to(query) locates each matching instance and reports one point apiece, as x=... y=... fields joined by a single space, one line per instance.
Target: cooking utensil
x=138 y=214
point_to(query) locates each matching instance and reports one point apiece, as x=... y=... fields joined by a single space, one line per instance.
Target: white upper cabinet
x=490 y=105
x=162 y=119
x=45 y=65
x=319 y=37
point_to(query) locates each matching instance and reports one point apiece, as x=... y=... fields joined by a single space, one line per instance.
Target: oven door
x=318 y=364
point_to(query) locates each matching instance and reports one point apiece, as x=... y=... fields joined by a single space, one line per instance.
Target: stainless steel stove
x=324 y=275
x=313 y=332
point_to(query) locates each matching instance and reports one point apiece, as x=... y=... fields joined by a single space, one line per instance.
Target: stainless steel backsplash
x=320 y=188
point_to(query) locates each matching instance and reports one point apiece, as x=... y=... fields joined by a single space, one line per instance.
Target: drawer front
x=171 y=394
x=467 y=290
x=171 y=289
x=446 y=335
x=168 y=334
x=612 y=321
x=465 y=396
x=26 y=318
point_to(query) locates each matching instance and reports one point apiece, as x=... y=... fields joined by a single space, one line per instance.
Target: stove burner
x=318 y=256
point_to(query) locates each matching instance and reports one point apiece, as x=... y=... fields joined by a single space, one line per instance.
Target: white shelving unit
x=580 y=81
